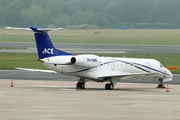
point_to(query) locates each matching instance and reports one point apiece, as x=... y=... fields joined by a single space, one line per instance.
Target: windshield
x=161 y=66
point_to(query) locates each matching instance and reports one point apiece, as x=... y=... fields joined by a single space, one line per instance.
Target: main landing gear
x=161 y=85
x=109 y=86
x=81 y=84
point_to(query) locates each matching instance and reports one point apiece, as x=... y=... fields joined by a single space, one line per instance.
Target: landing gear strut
x=81 y=84
x=161 y=85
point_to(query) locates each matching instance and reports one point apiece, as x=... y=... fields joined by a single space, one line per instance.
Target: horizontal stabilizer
x=45 y=29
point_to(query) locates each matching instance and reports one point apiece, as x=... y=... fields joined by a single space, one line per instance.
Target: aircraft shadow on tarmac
x=51 y=88
x=103 y=89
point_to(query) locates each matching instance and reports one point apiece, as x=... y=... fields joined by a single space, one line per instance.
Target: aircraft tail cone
x=167 y=89
x=12 y=83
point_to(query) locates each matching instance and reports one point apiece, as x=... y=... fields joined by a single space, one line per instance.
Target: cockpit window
x=161 y=66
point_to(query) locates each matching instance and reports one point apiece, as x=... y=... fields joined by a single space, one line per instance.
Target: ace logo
x=48 y=51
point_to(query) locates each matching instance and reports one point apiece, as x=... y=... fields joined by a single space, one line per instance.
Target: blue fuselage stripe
x=80 y=70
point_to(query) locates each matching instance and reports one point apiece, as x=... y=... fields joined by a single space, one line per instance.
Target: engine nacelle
x=88 y=61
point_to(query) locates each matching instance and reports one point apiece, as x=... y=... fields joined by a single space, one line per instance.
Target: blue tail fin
x=44 y=45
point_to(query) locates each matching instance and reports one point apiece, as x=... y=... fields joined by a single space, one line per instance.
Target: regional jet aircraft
x=92 y=67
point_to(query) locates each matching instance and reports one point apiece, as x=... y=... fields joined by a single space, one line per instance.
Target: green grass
x=105 y=36
x=3 y=47
x=30 y=60
x=18 y=60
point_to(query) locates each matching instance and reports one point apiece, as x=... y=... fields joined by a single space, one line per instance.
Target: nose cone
x=170 y=75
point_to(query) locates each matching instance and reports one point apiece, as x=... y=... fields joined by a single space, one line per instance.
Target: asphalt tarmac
x=46 y=96
x=96 y=48
x=60 y=100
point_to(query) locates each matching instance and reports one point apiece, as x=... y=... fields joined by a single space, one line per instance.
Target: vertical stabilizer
x=44 y=45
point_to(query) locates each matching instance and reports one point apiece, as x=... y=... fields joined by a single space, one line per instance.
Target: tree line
x=103 y=13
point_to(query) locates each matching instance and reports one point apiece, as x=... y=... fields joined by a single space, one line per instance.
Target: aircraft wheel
x=107 y=86
x=111 y=86
x=161 y=86
x=80 y=85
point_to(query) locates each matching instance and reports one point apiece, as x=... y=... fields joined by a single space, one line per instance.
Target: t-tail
x=44 y=45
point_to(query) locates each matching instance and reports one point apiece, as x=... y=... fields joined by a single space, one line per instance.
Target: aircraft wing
x=37 y=70
x=15 y=28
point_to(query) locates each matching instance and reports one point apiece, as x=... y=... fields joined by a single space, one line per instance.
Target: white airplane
x=92 y=67
x=15 y=28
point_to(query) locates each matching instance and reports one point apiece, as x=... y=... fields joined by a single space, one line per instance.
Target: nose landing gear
x=161 y=85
